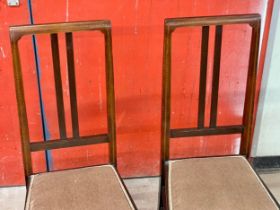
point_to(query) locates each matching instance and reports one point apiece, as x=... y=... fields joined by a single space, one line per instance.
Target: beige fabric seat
x=96 y=187
x=220 y=183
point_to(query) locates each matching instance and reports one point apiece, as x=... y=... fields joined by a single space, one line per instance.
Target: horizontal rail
x=71 y=142
x=206 y=156
x=212 y=20
x=222 y=130
x=16 y=32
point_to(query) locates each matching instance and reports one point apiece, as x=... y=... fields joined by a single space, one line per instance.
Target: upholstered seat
x=219 y=183
x=78 y=189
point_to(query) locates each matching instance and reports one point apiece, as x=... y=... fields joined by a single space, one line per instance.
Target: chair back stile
x=16 y=33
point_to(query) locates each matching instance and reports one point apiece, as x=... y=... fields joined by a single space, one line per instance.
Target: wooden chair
x=97 y=187
x=212 y=183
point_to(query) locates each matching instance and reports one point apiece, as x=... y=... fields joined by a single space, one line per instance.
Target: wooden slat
x=70 y=142
x=203 y=75
x=72 y=84
x=216 y=76
x=186 y=132
x=58 y=86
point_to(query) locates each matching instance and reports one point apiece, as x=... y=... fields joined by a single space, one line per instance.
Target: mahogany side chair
x=211 y=183
x=95 y=187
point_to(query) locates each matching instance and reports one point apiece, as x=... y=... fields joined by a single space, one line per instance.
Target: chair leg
x=162 y=205
x=163 y=197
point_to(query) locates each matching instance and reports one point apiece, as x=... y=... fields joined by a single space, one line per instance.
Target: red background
x=137 y=52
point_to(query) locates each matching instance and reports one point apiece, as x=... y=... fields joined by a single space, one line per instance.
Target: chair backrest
x=16 y=32
x=245 y=129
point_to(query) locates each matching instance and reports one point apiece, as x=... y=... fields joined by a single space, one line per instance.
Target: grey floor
x=144 y=192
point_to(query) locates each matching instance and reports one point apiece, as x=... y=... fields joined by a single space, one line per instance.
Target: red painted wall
x=137 y=50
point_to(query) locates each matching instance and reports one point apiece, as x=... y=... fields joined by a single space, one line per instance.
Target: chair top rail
x=212 y=20
x=16 y=32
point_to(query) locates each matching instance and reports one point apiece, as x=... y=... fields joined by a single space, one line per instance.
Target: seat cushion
x=96 y=187
x=220 y=183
